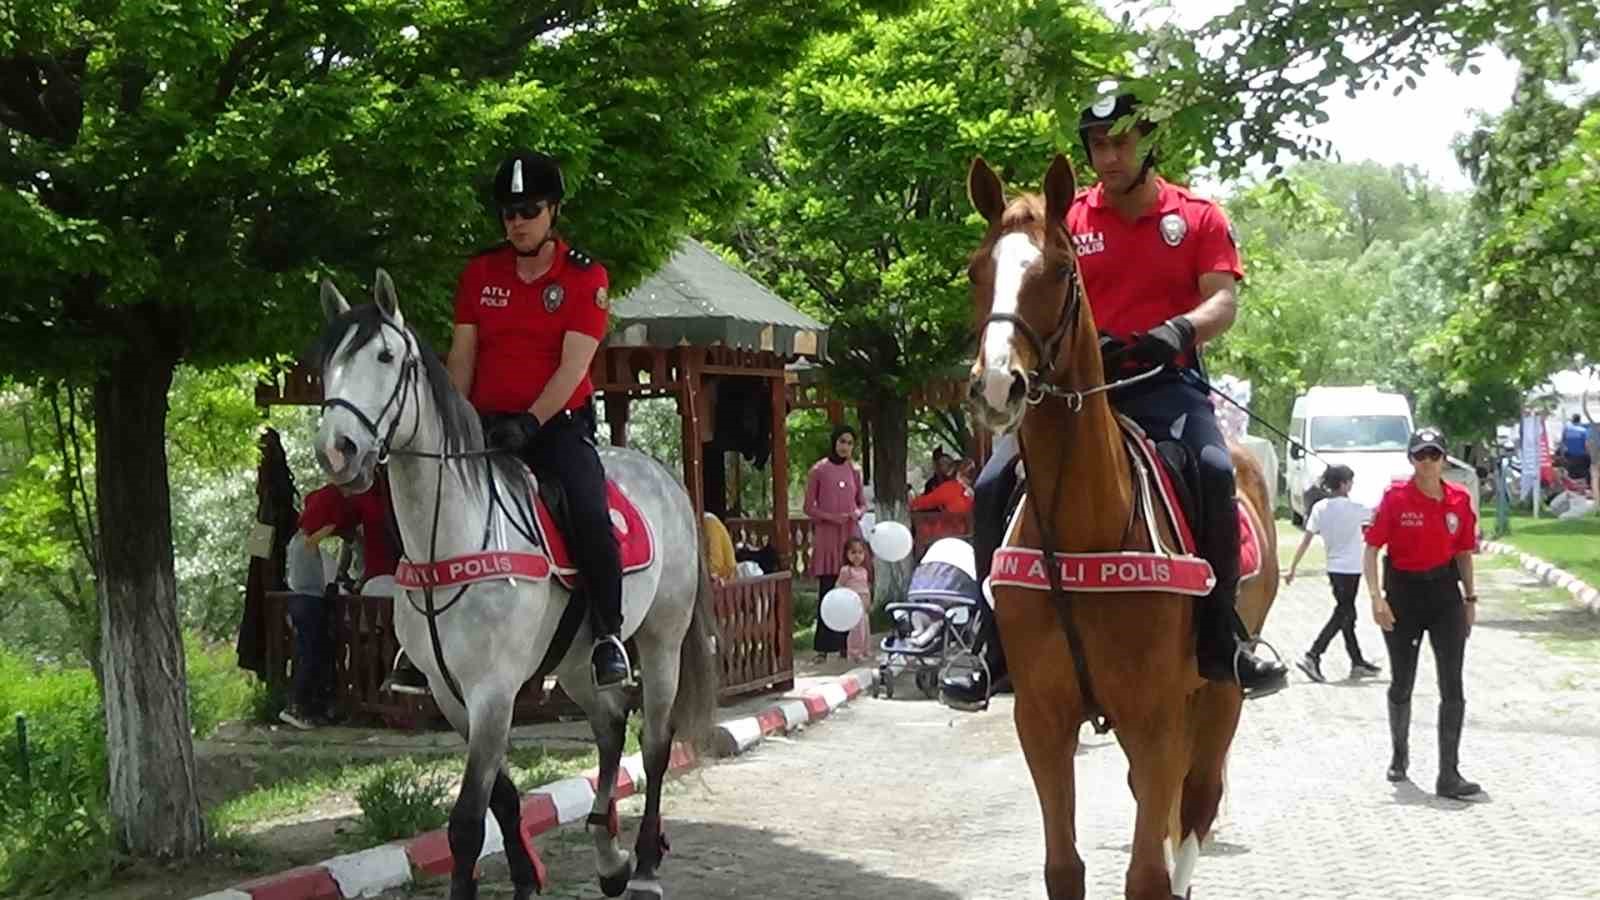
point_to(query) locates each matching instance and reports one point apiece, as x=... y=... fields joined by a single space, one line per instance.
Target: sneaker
x=1363 y=668
x=1312 y=666
x=966 y=691
x=297 y=719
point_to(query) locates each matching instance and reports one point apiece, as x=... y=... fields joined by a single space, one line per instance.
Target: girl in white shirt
x=1340 y=521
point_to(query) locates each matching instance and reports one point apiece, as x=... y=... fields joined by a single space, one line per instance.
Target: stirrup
x=1249 y=645
x=392 y=685
x=627 y=664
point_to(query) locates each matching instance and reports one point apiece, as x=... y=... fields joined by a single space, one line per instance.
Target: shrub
x=403 y=798
x=54 y=827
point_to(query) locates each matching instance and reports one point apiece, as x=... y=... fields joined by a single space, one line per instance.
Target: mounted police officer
x=1160 y=269
x=530 y=314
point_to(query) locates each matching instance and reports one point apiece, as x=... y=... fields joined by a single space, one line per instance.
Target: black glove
x=510 y=432
x=1163 y=344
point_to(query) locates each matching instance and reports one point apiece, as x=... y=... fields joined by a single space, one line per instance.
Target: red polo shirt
x=1423 y=533
x=1139 y=274
x=521 y=325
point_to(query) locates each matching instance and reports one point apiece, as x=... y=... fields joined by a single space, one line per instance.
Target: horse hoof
x=615 y=885
x=645 y=889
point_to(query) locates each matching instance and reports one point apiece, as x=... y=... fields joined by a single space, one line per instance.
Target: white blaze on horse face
x=1012 y=255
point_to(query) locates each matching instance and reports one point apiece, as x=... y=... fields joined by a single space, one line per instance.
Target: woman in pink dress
x=834 y=504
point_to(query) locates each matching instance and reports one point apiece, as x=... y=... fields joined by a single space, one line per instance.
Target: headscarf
x=839 y=431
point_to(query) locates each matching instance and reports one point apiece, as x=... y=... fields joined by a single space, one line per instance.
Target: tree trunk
x=154 y=804
x=889 y=413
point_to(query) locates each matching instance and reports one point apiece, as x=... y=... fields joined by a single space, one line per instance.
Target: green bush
x=219 y=691
x=54 y=824
x=54 y=828
x=403 y=798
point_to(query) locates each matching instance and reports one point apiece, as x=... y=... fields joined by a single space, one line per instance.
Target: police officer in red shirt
x=1160 y=269
x=1431 y=532
x=529 y=317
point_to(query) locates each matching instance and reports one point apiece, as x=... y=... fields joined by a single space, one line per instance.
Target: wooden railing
x=755 y=634
x=364 y=647
x=755 y=650
x=926 y=527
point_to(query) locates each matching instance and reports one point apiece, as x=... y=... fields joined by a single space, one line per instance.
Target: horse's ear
x=384 y=295
x=1059 y=186
x=333 y=302
x=984 y=189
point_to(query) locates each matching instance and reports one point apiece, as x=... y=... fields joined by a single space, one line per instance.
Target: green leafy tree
x=1253 y=82
x=860 y=213
x=1528 y=309
x=175 y=176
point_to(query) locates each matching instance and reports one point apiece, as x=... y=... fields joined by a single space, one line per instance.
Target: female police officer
x=1431 y=531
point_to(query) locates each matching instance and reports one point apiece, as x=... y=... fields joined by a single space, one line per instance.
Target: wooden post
x=689 y=412
x=780 y=474
x=617 y=404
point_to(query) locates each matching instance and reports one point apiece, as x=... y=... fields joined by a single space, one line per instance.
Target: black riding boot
x=405 y=678
x=1399 y=739
x=610 y=662
x=1450 y=783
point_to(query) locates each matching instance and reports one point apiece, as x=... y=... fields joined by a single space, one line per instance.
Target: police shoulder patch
x=579 y=258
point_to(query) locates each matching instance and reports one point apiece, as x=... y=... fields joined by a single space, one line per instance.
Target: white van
x=1360 y=427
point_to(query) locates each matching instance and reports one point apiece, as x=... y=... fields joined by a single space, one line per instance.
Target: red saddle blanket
x=1177 y=571
x=635 y=541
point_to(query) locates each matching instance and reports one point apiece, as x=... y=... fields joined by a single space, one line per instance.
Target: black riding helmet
x=526 y=178
x=1109 y=109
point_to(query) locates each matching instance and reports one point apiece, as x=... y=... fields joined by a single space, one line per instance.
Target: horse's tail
x=695 y=707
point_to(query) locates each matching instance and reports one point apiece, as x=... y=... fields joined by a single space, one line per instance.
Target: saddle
x=1166 y=480
x=552 y=522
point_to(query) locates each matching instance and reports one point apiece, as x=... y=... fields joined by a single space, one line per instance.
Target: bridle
x=405 y=389
x=1039 y=381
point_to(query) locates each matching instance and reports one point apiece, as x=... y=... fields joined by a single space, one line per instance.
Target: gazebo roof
x=700 y=300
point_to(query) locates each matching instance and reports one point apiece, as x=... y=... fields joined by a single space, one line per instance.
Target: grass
x=1572 y=544
x=291 y=784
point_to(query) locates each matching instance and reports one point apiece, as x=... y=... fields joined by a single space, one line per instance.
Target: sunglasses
x=1428 y=453
x=523 y=211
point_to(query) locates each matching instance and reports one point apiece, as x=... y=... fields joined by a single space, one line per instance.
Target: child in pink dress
x=854 y=575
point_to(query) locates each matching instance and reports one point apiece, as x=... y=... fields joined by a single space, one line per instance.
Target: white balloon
x=840 y=609
x=890 y=541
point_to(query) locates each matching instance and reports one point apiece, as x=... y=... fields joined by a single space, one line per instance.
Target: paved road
x=901 y=799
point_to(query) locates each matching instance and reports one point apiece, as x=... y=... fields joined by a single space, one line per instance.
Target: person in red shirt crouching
x=1431 y=532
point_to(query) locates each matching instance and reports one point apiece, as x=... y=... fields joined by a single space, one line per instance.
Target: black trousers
x=565 y=450
x=1167 y=409
x=825 y=639
x=1343 y=620
x=1431 y=606
x=313 y=652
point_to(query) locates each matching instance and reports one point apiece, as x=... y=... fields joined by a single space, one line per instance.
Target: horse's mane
x=462 y=431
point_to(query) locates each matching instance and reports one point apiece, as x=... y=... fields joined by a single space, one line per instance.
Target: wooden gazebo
x=694 y=330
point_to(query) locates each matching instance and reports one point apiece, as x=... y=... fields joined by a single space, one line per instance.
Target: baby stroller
x=936 y=624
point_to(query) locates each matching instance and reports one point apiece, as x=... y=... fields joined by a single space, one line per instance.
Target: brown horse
x=1138 y=649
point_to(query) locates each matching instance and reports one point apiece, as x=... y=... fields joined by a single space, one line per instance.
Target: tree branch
x=72 y=475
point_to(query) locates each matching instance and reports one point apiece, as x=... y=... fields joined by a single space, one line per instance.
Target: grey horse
x=388 y=397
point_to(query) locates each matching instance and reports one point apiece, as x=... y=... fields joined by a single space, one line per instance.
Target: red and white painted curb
x=370 y=872
x=1583 y=594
